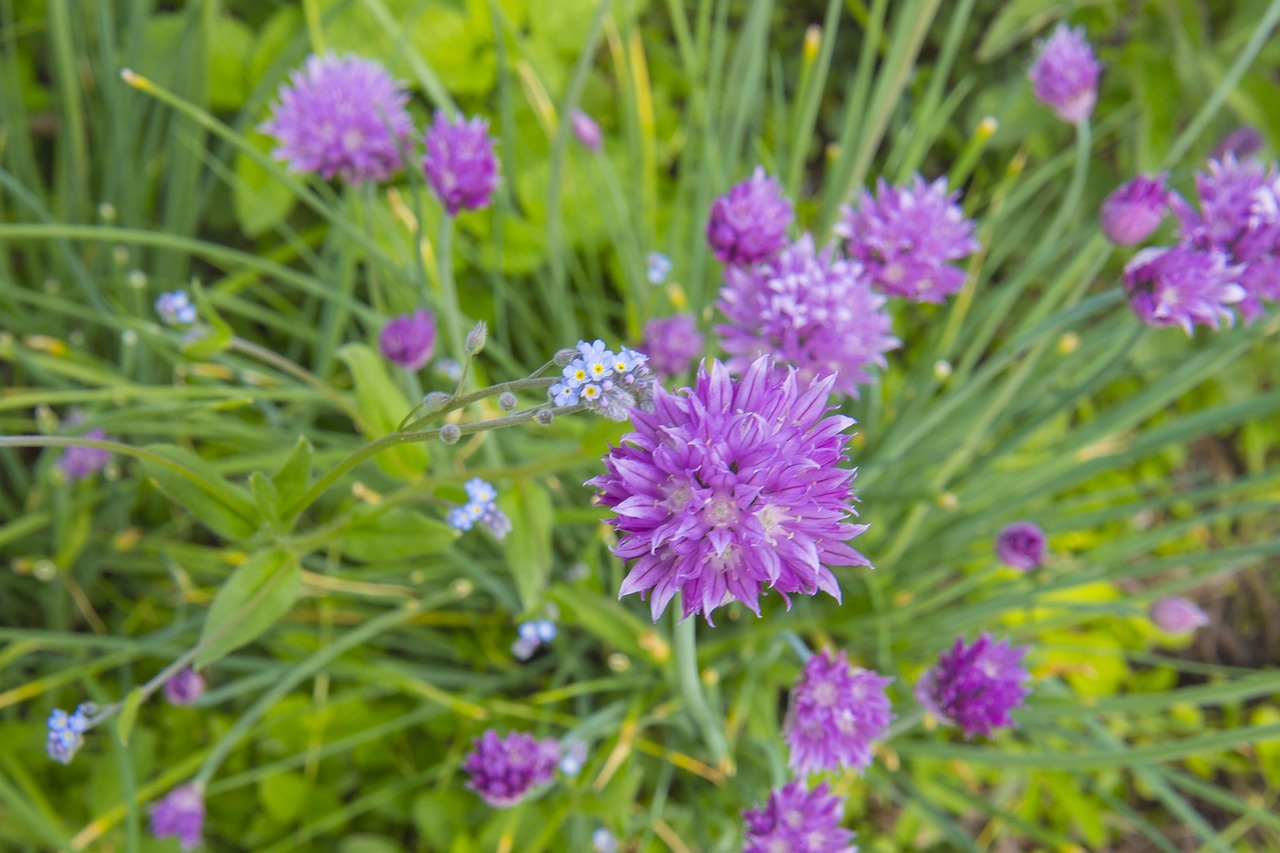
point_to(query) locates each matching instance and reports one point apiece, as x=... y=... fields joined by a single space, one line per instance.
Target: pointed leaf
x=395 y=534
x=383 y=405
x=193 y=484
x=256 y=595
x=129 y=714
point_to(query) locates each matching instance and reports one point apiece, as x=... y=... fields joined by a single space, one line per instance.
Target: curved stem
x=686 y=654
x=448 y=288
x=115 y=447
x=300 y=373
x=513 y=386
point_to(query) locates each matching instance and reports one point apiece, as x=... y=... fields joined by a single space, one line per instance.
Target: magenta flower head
x=749 y=223
x=1021 y=545
x=408 y=340
x=1182 y=286
x=835 y=714
x=797 y=820
x=1240 y=143
x=78 y=462
x=1134 y=210
x=1177 y=615
x=809 y=309
x=460 y=164
x=180 y=815
x=671 y=343
x=975 y=687
x=1239 y=215
x=343 y=116
x=1065 y=74
x=586 y=130
x=504 y=770
x=905 y=237
x=731 y=488
x=184 y=688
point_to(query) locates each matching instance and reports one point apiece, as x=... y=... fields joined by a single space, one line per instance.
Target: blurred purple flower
x=671 y=343
x=732 y=488
x=344 y=116
x=1065 y=74
x=79 y=462
x=975 y=687
x=504 y=770
x=797 y=820
x=1240 y=142
x=749 y=223
x=1182 y=286
x=813 y=310
x=587 y=131
x=1134 y=210
x=180 y=815
x=409 y=339
x=460 y=164
x=835 y=713
x=1021 y=545
x=184 y=688
x=904 y=238
x=1177 y=615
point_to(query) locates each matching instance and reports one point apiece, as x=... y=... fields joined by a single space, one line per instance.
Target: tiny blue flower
x=479 y=491
x=563 y=395
x=522 y=649
x=460 y=519
x=545 y=630
x=596 y=348
x=590 y=393
x=66 y=733
x=449 y=369
x=528 y=631
x=603 y=841
x=575 y=374
x=657 y=267
x=575 y=757
x=175 y=308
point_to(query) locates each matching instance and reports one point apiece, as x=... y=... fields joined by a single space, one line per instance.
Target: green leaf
x=201 y=491
x=528 y=546
x=218 y=335
x=256 y=595
x=265 y=497
x=261 y=200
x=295 y=474
x=383 y=405
x=1016 y=21
x=283 y=795
x=129 y=714
x=230 y=48
x=439 y=816
x=395 y=534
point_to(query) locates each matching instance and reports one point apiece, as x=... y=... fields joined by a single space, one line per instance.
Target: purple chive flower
x=1065 y=74
x=1021 y=545
x=1182 y=286
x=344 y=116
x=409 y=339
x=730 y=488
x=66 y=732
x=586 y=130
x=1134 y=210
x=79 y=462
x=1177 y=615
x=460 y=164
x=1240 y=143
x=175 y=308
x=671 y=343
x=749 y=223
x=180 y=815
x=905 y=236
x=184 y=688
x=504 y=770
x=810 y=309
x=975 y=687
x=1239 y=215
x=834 y=715
x=797 y=820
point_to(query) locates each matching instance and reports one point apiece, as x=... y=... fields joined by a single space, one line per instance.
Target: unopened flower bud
x=476 y=338
x=544 y=417
x=507 y=401
x=450 y=433
x=1177 y=615
x=564 y=356
x=436 y=400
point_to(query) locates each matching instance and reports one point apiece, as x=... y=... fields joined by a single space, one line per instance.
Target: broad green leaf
x=295 y=474
x=129 y=714
x=1016 y=21
x=439 y=816
x=265 y=497
x=230 y=48
x=383 y=405
x=220 y=506
x=261 y=200
x=216 y=337
x=610 y=622
x=395 y=534
x=283 y=795
x=257 y=594
x=528 y=546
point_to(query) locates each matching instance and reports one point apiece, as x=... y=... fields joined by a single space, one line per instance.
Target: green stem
x=455 y=403
x=115 y=447
x=302 y=374
x=299 y=674
x=904 y=724
x=449 y=289
x=686 y=653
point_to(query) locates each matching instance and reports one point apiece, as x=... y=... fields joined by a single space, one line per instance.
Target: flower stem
x=448 y=288
x=686 y=654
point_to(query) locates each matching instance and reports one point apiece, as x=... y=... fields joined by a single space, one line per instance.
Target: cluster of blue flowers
x=66 y=732
x=175 y=308
x=481 y=507
x=533 y=634
x=611 y=384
